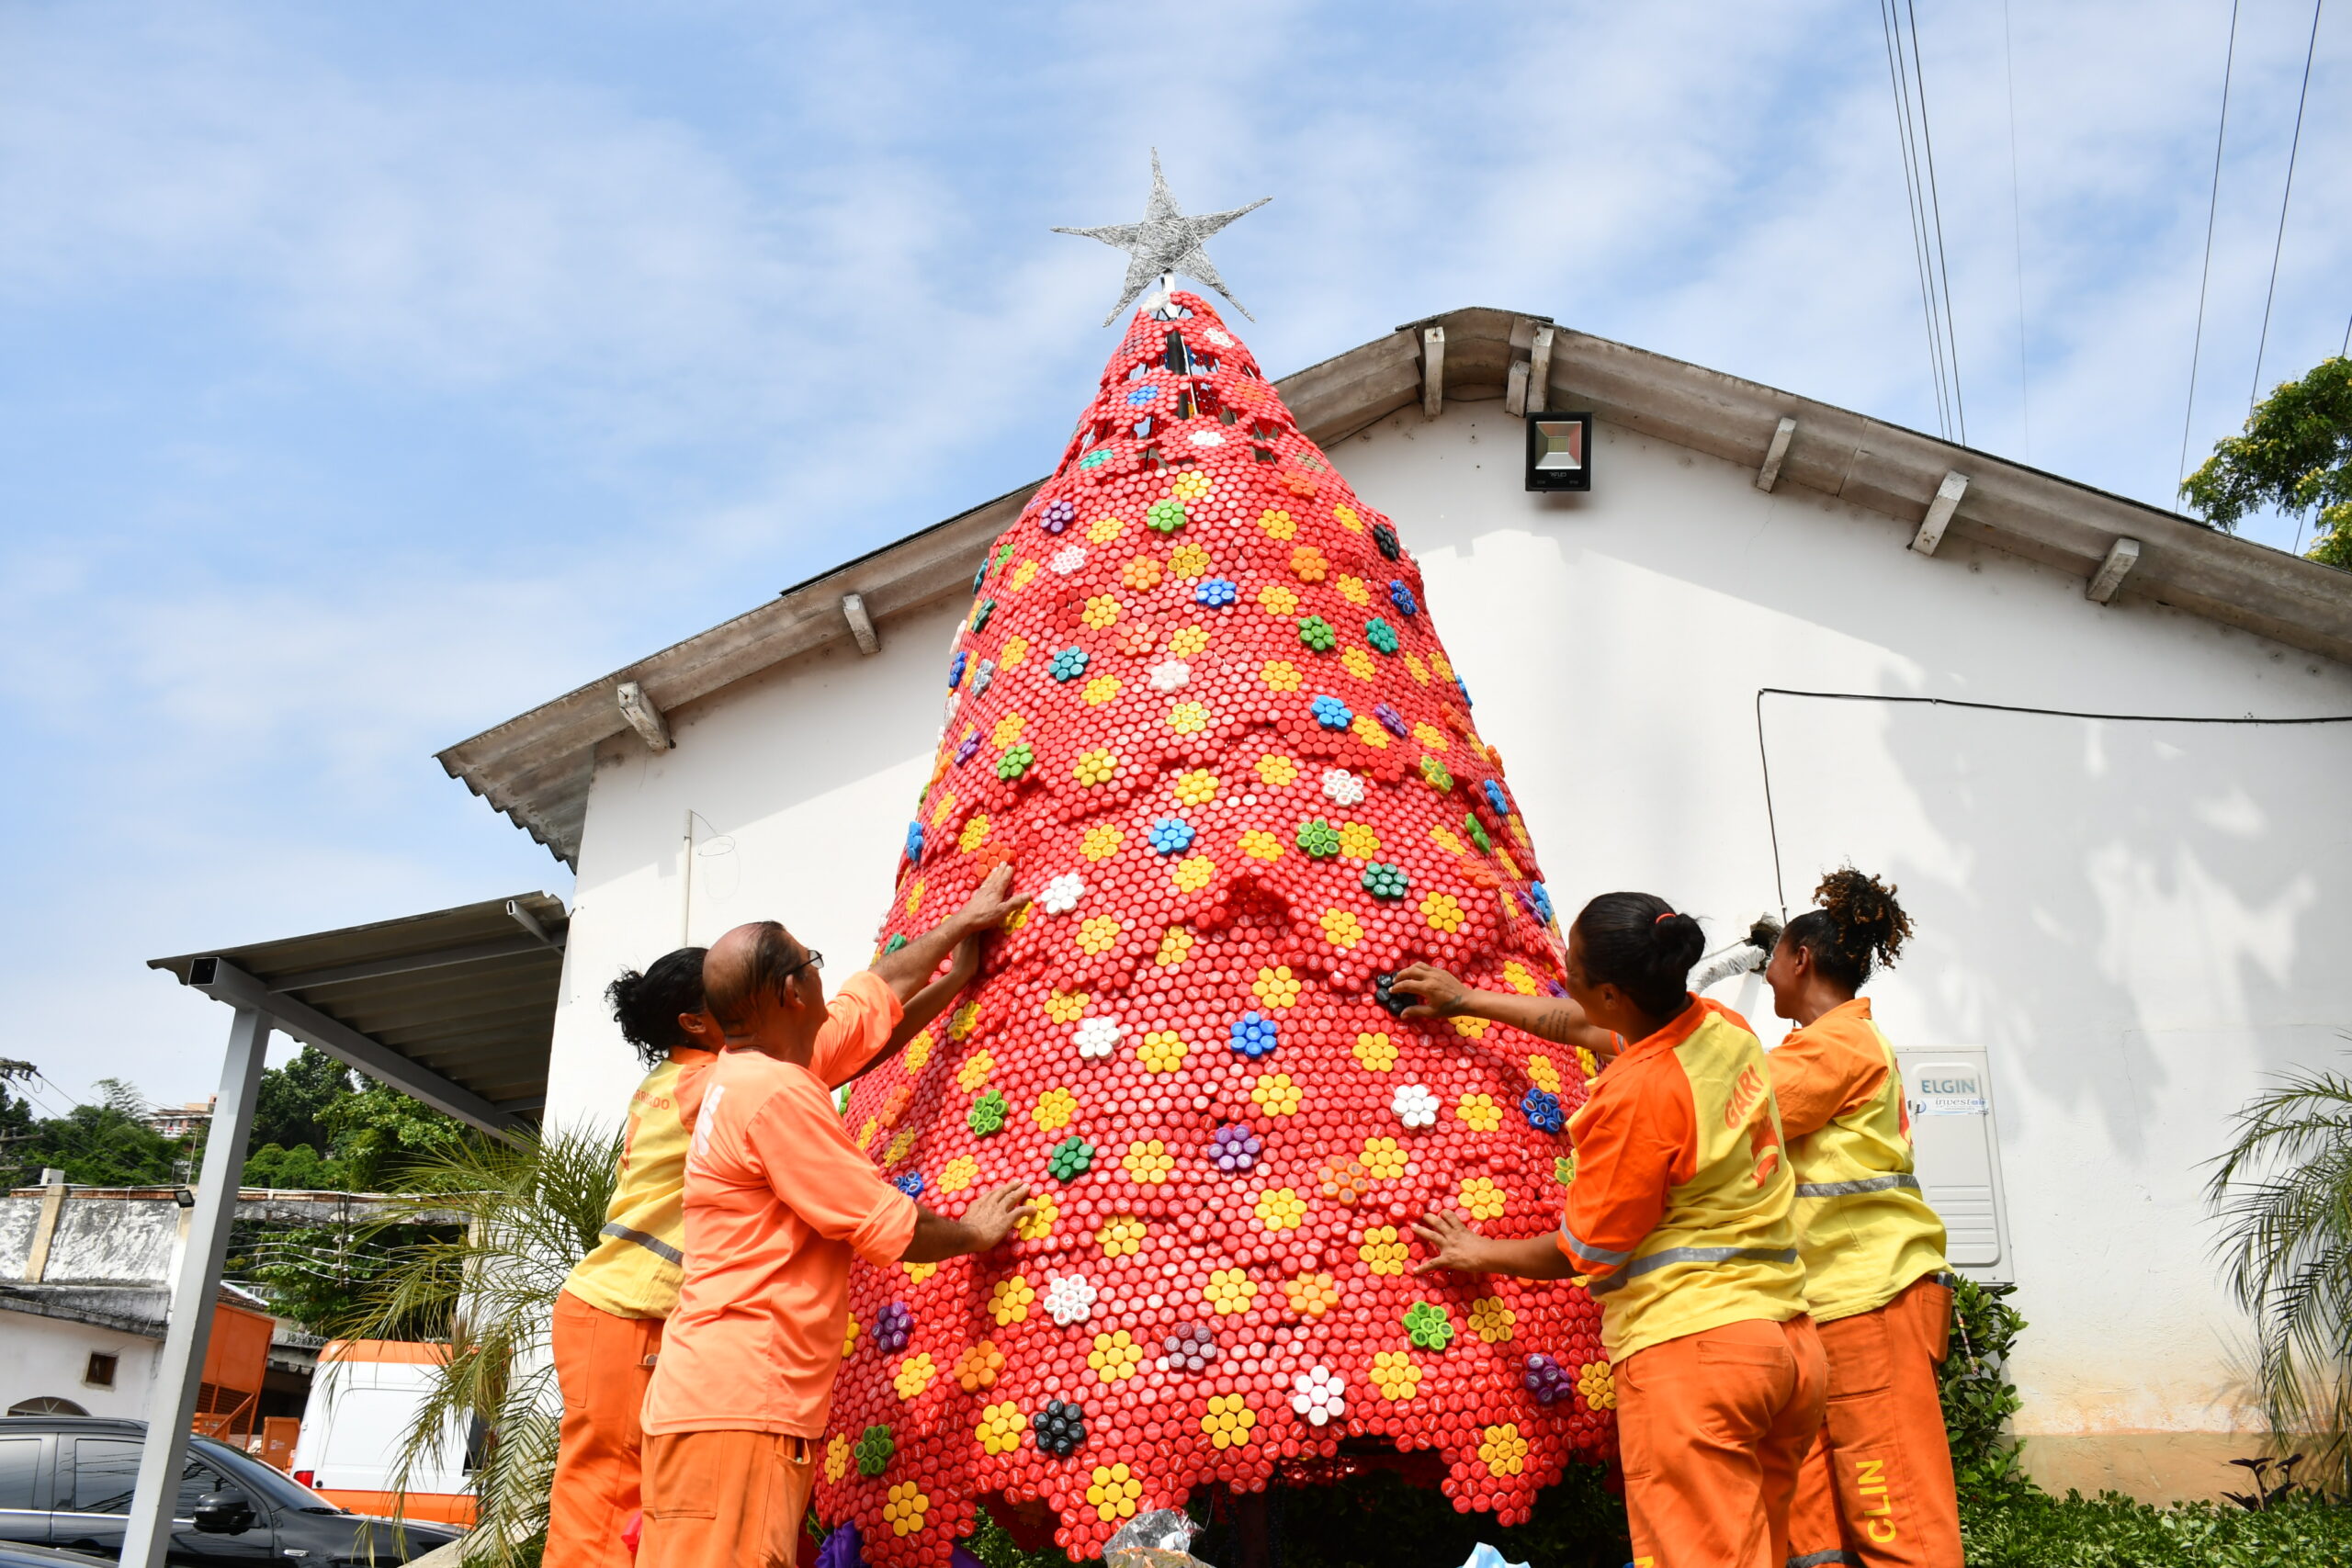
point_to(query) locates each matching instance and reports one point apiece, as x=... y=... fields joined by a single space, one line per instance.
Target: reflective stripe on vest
x=1848 y=1189
x=1694 y=1255
x=1586 y=1249
x=652 y=1244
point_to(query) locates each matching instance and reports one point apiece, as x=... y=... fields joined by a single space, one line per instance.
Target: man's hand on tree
x=992 y=1215
x=991 y=903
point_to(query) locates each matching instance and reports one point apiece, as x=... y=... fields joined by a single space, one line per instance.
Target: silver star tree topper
x=1166 y=242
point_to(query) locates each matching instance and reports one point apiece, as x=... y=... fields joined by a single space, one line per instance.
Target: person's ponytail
x=1858 y=929
x=647 y=1005
x=1644 y=946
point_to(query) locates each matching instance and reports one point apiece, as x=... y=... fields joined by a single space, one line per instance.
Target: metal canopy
x=455 y=1008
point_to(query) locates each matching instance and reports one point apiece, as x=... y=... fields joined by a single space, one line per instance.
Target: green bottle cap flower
x=1070 y=1157
x=1428 y=1326
x=988 y=1114
x=874 y=1446
x=1384 y=880
x=1381 y=635
x=1319 y=838
x=1471 y=825
x=1165 y=515
x=1015 y=760
x=1317 y=633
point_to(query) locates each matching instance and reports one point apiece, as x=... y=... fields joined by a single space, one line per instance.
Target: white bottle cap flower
x=1066 y=560
x=1170 y=675
x=1100 y=1037
x=1318 y=1394
x=1414 y=1106
x=1070 y=1298
x=1342 y=786
x=1062 y=894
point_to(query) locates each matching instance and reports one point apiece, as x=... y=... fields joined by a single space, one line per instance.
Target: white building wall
x=46 y=1356
x=2137 y=920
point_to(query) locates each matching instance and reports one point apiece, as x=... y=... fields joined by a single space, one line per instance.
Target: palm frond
x=531 y=1207
x=2283 y=1192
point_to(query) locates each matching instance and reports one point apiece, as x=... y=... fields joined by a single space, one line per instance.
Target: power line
x=2279 y=245
x=1943 y=267
x=2212 y=206
x=1898 y=81
x=2016 y=230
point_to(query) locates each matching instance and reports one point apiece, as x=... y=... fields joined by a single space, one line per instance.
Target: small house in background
x=179 y=1121
x=1760 y=637
x=86 y=1281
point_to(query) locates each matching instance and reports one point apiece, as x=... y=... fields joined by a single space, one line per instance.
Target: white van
x=366 y=1394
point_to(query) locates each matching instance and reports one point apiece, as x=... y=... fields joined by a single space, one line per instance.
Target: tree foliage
x=292 y=1100
x=2295 y=455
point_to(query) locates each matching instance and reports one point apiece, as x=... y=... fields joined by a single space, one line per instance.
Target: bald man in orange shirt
x=778 y=1201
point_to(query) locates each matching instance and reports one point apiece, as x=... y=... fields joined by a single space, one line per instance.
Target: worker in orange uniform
x=778 y=1201
x=608 y=1317
x=1681 y=1218
x=1877 y=1488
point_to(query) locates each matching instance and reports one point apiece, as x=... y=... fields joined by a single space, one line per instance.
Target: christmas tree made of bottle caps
x=1199 y=705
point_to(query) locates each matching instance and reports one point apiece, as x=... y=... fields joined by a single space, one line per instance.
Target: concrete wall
x=47 y=1356
x=2136 y=921
x=98 y=1241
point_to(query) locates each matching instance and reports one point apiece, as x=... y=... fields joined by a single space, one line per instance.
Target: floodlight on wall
x=1559 y=451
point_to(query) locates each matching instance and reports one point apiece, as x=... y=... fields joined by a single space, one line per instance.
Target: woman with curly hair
x=1877 y=1487
x=609 y=1315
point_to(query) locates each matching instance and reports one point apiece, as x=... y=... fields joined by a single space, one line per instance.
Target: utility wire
x=1898 y=81
x=2279 y=245
x=2016 y=230
x=2212 y=206
x=1764 y=757
x=1943 y=267
x=1907 y=74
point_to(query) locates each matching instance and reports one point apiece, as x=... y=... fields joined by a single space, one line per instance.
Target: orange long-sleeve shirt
x=1680 y=1213
x=778 y=1201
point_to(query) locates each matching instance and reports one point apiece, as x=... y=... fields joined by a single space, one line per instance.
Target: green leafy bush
x=1978 y=1397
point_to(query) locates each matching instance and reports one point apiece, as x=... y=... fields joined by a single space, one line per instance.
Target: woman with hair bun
x=608 y=1315
x=1877 y=1488
x=1680 y=1221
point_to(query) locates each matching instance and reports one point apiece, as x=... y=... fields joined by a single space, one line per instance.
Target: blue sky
x=369 y=374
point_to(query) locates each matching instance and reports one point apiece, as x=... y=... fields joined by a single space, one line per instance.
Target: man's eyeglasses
x=811 y=960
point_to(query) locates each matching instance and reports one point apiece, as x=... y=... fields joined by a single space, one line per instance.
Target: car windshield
x=266 y=1483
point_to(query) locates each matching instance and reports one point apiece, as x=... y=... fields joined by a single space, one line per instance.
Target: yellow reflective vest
x=635 y=1269
x=1867 y=1231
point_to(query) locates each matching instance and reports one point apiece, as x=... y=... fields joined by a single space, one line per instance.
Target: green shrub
x=1978 y=1397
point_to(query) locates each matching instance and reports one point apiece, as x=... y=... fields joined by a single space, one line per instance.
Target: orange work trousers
x=1877 y=1488
x=725 y=1499
x=603 y=1362
x=1711 y=1428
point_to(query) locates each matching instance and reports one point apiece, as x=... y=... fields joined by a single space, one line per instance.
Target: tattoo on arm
x=1557 y=1024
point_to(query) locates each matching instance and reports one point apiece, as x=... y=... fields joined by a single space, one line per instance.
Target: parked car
x=14 y=1554
x=66 y=1481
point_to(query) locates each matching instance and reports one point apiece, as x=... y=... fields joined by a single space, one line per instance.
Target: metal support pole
x=172 y=1407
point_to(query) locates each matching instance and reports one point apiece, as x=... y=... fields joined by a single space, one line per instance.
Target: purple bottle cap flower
x=1056 y=516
